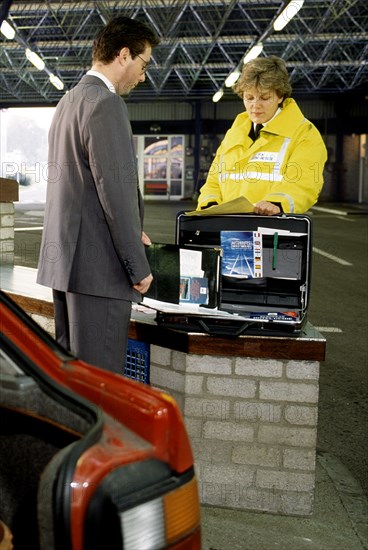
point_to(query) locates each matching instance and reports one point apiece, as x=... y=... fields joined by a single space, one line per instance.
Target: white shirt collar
x=275 y=115
x=103 y=78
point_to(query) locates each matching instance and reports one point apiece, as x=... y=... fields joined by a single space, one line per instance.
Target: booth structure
x=250 y=403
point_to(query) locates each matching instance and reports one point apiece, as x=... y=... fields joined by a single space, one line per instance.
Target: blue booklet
x=242 y=254
x=193 y=290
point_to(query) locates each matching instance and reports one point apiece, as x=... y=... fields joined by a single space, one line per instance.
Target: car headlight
x=142 y=506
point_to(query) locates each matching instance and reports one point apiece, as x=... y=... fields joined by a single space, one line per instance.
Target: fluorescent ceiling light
x=7 y=30
x=287 y=14
x=35 y=59
x=253 y=53
x=218 y=95
x=232 y=78
x=55 y=81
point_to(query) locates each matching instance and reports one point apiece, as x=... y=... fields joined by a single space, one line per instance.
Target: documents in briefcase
x=184 y=275
x=242 y=254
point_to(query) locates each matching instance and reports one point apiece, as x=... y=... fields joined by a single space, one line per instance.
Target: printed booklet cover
x=242 y=254
x=194 y=290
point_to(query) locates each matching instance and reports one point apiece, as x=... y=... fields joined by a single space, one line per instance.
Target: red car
x=89 y=459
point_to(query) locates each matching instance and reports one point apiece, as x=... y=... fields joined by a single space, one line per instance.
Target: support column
x=9 y=194
x=197 y=148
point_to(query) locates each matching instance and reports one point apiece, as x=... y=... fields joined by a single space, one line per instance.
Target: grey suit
x=91 y=243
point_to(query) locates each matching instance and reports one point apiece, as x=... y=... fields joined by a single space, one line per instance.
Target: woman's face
x=261 y=105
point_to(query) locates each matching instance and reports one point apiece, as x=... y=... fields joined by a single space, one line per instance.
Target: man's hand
x=145 y=239
x=266 y=208
x=144 y=284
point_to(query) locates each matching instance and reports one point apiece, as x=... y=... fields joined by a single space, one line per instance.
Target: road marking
x=35 y=228
x=331 y=256
x=346 y=219
x=340 y=213
x=328 y=329
x=330 y=210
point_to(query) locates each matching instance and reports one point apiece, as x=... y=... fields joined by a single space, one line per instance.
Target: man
x=272 y=154
x=92 y=251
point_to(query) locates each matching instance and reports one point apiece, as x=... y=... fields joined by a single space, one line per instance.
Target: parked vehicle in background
x=89 y=459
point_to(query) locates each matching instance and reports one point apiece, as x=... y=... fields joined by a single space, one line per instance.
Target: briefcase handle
x=224 y=330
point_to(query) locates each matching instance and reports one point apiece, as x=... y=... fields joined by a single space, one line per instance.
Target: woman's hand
x=266 y=208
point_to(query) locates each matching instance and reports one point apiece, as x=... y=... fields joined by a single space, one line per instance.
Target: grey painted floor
x=329 y=528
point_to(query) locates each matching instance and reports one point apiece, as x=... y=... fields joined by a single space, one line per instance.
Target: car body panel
x=131 y=422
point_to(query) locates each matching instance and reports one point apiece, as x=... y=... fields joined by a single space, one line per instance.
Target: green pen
x=275 y=245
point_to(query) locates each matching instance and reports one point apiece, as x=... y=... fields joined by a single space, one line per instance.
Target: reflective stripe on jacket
x=284 y=165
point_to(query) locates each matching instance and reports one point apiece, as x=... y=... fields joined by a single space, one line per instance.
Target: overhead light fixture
x=218 y=95
x=232 y=78
x=7 y=30
x=55 y=81
x=287 y=14
x=253 y=53
x=35 y=59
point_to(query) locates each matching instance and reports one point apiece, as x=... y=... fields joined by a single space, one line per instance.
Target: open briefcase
x=264 y=278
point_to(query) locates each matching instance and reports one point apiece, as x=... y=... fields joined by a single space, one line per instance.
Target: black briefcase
x=264 y=279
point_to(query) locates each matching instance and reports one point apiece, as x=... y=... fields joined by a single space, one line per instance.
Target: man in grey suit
x=93 y=245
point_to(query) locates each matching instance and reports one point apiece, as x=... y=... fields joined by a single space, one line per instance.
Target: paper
x=193 y=284
x=240 y=205
x=191 y=262
x=186 y=308
x=272 y=230
x=256 y=313
x=242 y=254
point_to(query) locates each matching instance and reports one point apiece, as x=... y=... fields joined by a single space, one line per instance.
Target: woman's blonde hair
x=264 y=73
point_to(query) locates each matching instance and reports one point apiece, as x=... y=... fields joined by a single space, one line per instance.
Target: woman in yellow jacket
x=281 y=170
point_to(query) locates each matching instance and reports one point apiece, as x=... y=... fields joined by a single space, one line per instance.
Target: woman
x=281 y=170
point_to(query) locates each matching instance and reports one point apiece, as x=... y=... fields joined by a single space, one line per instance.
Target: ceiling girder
x=325 y=46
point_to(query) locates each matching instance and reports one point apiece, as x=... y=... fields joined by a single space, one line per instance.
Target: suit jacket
x=91 y=240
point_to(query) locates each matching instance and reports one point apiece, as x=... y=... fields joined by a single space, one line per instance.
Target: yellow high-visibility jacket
x=284 y=165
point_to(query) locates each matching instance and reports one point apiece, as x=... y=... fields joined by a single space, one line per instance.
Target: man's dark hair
x=123 y=32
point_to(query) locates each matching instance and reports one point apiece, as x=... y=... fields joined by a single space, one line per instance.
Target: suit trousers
x=93 y=328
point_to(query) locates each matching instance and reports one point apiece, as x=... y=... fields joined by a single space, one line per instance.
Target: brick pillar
x=252 y=425
x=8 y=195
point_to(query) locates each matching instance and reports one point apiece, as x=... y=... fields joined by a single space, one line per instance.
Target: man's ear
x=124 y=54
